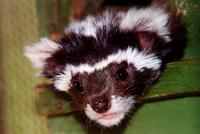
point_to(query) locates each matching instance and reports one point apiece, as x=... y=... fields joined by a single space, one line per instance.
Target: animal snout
x=101 y=105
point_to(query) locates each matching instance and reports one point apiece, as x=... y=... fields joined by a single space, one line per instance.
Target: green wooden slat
x=18 y=28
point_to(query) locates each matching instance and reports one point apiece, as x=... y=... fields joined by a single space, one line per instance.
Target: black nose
x=101 y=105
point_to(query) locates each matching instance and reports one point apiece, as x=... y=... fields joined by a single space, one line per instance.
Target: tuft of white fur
x=40 y=51
x=140 y=60
x=86 y=27
x=107 y=20
x=119 y=105
x=91 y=24
x=147 y=19
x=62 y=82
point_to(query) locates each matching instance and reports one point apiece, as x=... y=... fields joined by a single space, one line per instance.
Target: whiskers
x=129 y=91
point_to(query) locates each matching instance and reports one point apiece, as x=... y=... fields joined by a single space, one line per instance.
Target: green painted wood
x=19 y=28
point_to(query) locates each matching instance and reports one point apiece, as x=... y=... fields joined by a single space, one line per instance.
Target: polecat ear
x=152 y=43
x=43 y=57
x=148 y=25
x=157 y=30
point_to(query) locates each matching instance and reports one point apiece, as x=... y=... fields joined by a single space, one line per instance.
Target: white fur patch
x=40 y=51
x=90 y=25
x=139 y=59
x=86 y=27
x=147 y=19
x=119 y=105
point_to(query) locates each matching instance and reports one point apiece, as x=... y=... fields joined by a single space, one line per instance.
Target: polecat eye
x=121 y=74
x=78 y=86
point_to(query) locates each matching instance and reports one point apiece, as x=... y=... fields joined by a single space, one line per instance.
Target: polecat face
x=109 y=89
x=106 y=62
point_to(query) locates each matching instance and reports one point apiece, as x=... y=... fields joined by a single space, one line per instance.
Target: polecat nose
x=101 y=105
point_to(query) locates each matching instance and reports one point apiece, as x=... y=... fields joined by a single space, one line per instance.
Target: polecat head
x=107 y=62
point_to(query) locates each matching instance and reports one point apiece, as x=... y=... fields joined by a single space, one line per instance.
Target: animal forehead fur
x=147 y=19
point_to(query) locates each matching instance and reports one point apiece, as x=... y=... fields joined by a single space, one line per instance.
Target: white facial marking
x=120 y=106
x=39 y=52
x=139 y=59
x=147 y=19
